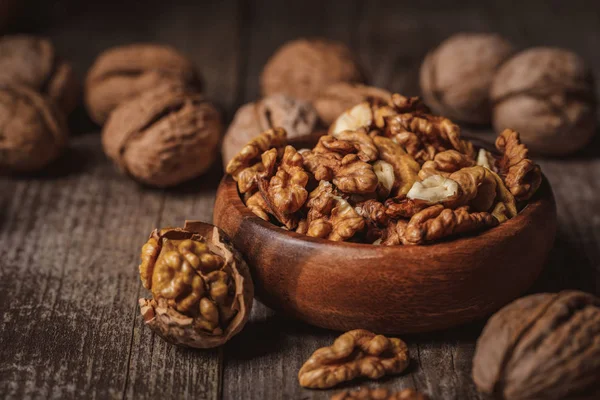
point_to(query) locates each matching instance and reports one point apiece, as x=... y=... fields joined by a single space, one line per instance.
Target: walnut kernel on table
x=33 y=132
x=164 y=137
x=201 y=287
x=297 y=117
x=122 y=73
x=542 y=346
x=303 y=67
x=547 y=95
x=365 y=393
x=33 y=61
x=456 y=77
x=357 y=353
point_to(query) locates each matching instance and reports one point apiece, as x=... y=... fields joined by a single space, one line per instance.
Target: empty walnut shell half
x=201 y=287
x=543 y=346
x=302 y=68
x=33 y=131
x=165 y=136
x=297 y=117
x=122 y=73
x=455 y=78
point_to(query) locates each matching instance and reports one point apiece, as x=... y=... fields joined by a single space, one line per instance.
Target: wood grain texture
x=69 y=324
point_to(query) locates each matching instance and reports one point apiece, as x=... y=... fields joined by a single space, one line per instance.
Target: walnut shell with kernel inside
x=122 y=73
x=455 y=78
x=165 y=136
x=33 y=132
x=202 y=292
x=303 y=67
x=32 y=61
x=548 y=96
x=543 y=346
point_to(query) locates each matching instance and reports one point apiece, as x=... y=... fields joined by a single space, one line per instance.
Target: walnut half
x=354 y=354
x=201 y=287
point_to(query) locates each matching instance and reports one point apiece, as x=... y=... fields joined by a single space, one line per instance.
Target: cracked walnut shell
x=302 y=68
x=33 y=62
x=33 y=131
x=164 y=137
x=201 y=287
x=357 y=353
x=543 y=346
x=122 y=73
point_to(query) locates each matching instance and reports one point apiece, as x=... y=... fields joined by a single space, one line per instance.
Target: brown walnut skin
x=181 y=320
x=297 y=117
x=303 y=67
x=122 y=73
x=543 y=346
x=164 y=137
x=33 y=131
x=455 y=78
x=32 y=61
x=546 y=94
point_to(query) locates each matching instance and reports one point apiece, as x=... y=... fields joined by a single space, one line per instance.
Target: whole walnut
x=122 y=73
x=33 y=131
x=455 y=77
x=303 y=67
x=546 y=94
x=163 y=137
x=297 y=117
x=341 y=96
x=201 y=287
x=32 y=61
x=543 y=346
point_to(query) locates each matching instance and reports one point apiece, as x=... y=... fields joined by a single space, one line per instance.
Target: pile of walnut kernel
x=386 y=173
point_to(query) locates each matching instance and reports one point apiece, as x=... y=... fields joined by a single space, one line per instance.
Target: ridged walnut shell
x=543 y=346
x=163 y=137
x=33 y=62
x=303 y=67
x=547 y=95
x=188 y=328
x=297 y=117
x=455 y=77
x=121 y=73
x=33 y=131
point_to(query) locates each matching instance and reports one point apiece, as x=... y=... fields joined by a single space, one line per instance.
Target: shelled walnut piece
x=201 y=288
x=386 y=173
x=357 y=353
x=365 y=393
x=543 y=346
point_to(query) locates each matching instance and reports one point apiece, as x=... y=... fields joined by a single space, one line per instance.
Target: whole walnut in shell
x=455 y=78
x=32 y=131
x=302 y=68
x=165 y=136
x=201 y=287
x=122 y=73
x=547 y=94
x=297 y=117
x=543 y=346
x=341 y=96
x=33 y=62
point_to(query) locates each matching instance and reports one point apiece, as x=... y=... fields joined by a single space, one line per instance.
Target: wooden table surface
x=70 y=237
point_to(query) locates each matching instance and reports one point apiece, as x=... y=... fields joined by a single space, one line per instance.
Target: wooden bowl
x=396 y=289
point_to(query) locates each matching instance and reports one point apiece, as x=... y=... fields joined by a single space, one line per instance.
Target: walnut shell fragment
x=365 y=393
x=302 y=68
x=32 y=61
x=202 y=292
x=357 y=353
x=543 y=346
x=122 y=73
x=297 y=117
x=164 y=137
x=33 y=131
